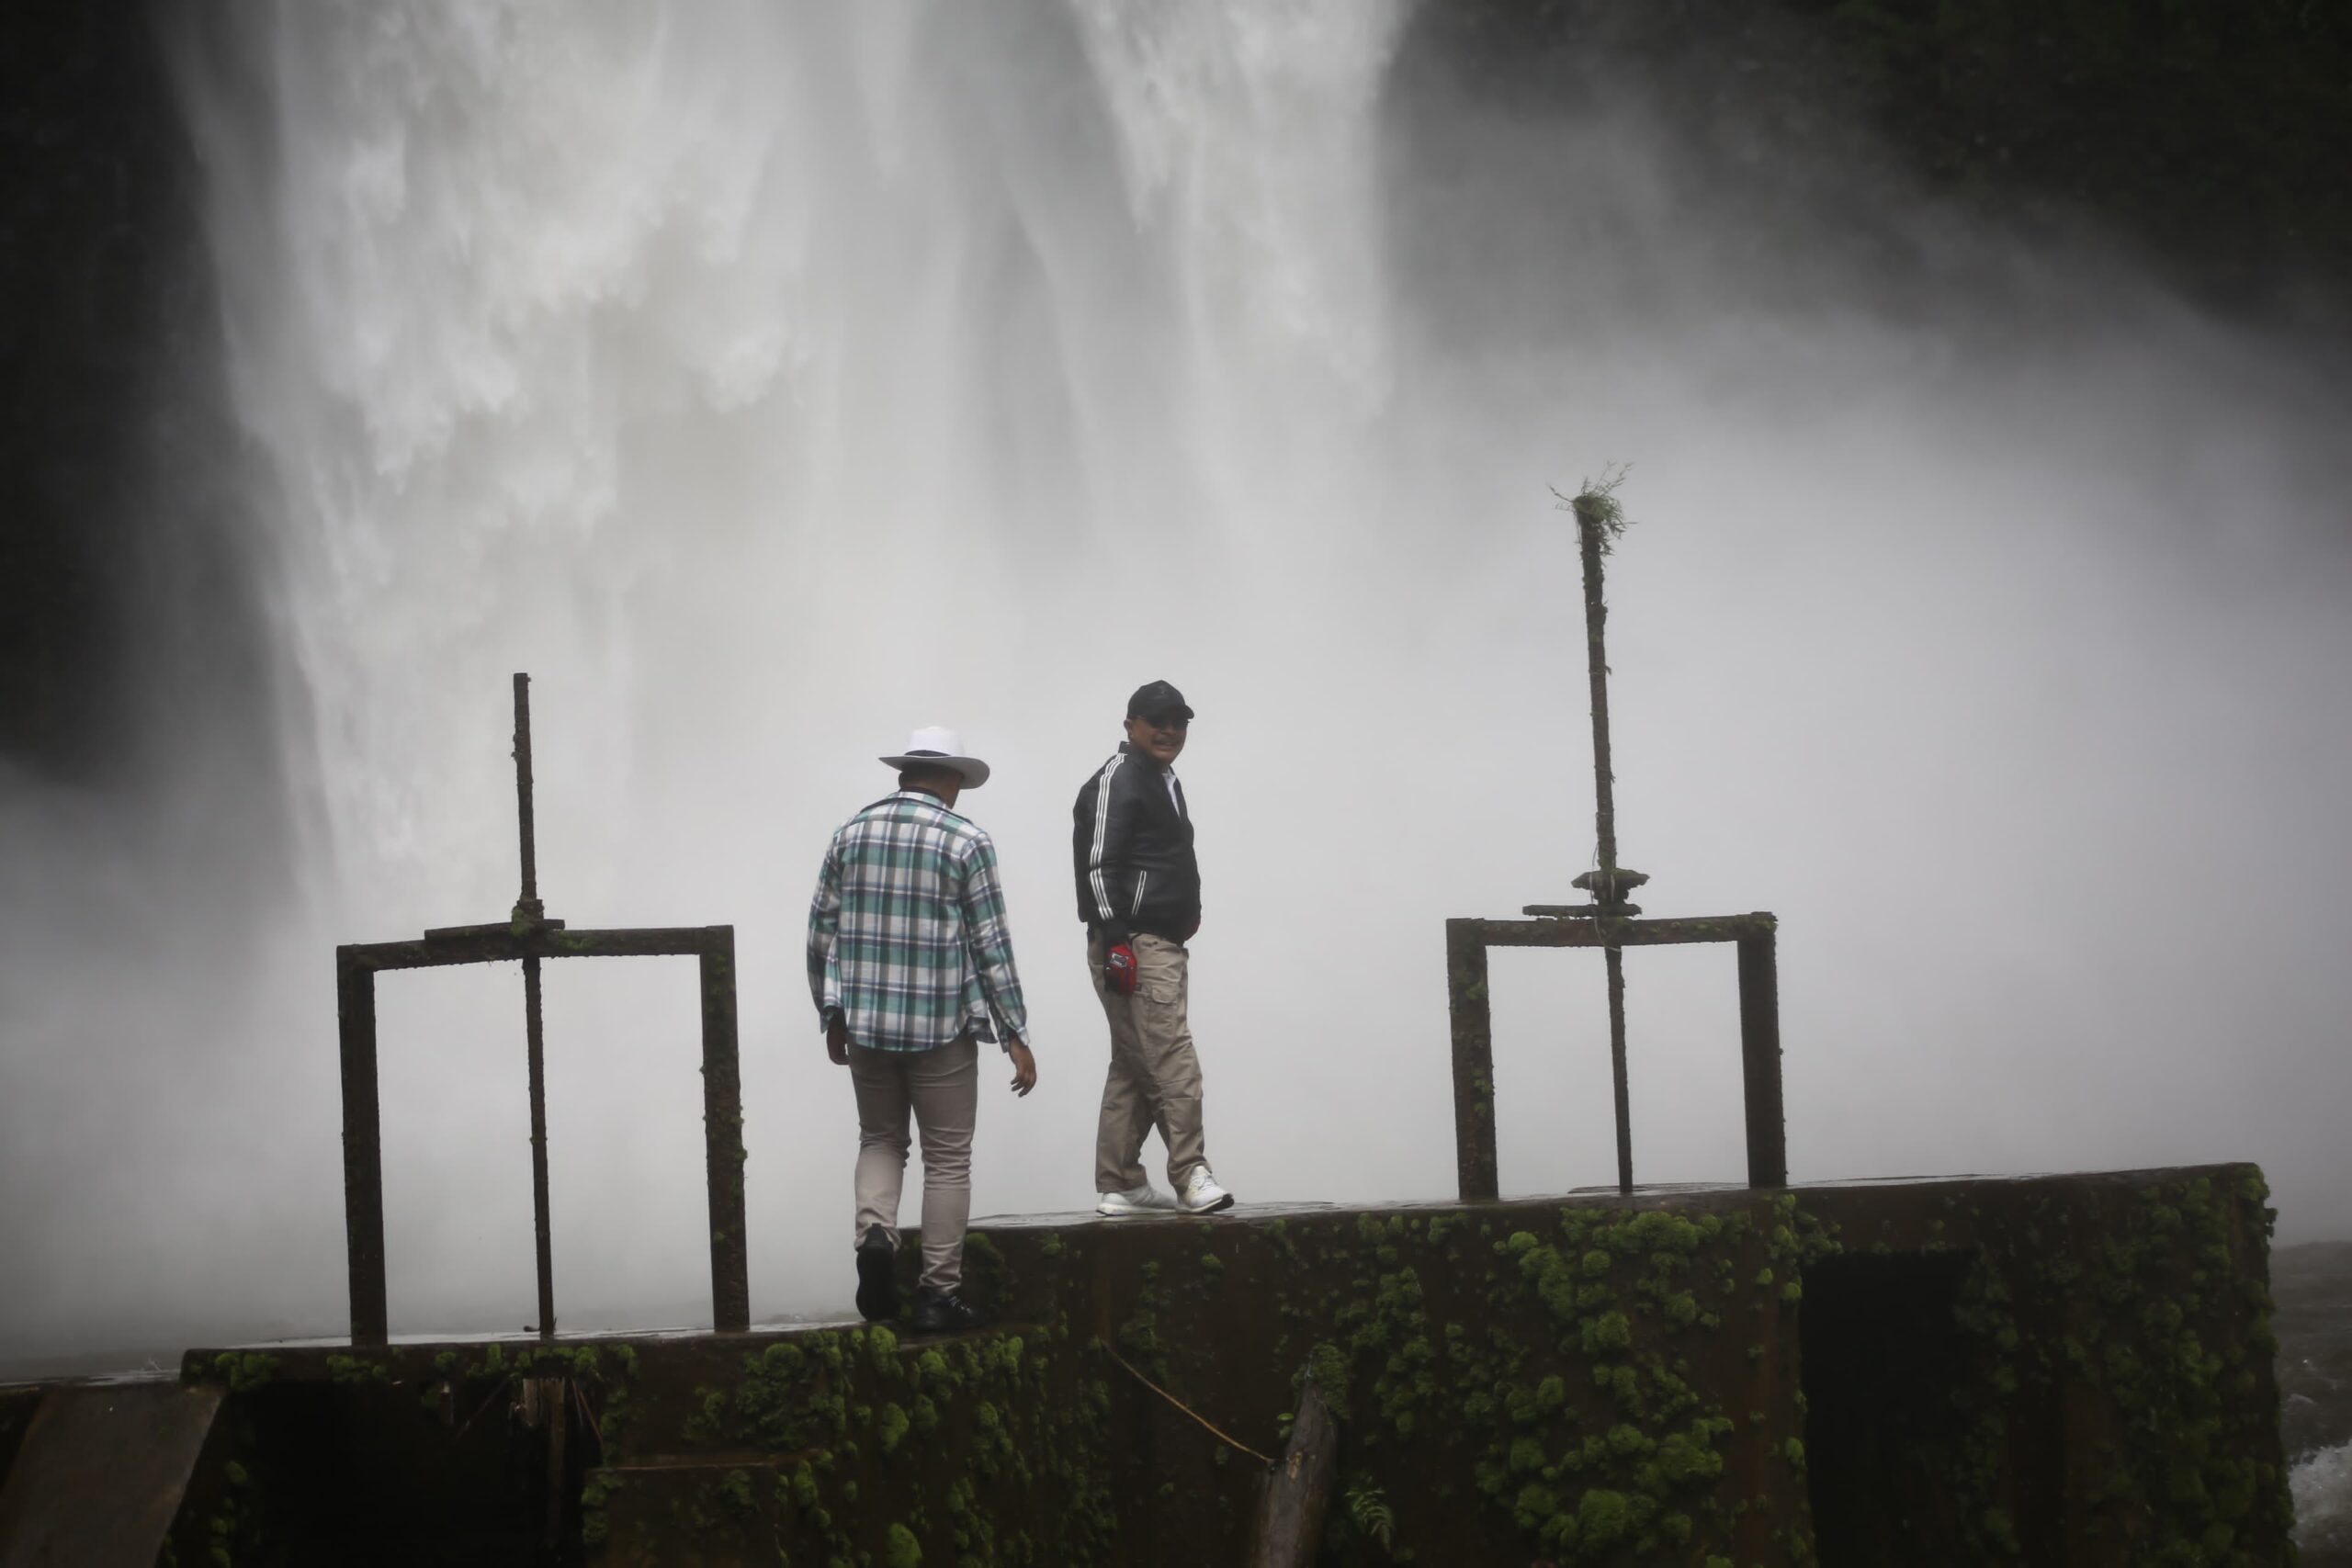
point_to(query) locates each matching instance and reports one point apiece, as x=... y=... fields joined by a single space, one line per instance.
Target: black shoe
x=877 y=1276
x=938 y=1312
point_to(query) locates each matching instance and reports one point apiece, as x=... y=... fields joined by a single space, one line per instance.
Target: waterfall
x=769 y=378
x=550 y=308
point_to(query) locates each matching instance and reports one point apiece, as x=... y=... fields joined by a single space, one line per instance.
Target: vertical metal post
x=527 y=907
x=1596 y=654
x=1617 y=1071
x=1605 y=891
x=1474 y=1061
x=555 y=1405
x=362 y=1157
x=1759 y=1058
x=534 y=1037
x=722 y=1120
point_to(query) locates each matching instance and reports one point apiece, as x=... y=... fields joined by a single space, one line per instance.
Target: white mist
x=768 y=379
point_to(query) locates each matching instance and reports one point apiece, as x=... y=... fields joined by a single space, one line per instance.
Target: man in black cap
x=1139 y=894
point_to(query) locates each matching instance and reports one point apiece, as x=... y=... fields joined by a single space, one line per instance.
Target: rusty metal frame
x=1466 y=941
x=356 y=966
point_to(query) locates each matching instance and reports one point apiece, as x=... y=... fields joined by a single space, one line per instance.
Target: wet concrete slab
x=99 y=1473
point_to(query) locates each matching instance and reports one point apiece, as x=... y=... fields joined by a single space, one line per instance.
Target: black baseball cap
x=1158 y=699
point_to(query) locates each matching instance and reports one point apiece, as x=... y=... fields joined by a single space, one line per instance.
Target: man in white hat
x=911 y=965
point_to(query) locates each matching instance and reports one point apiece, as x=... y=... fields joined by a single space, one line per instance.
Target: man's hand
x=1025 y=1068
x=837 y=1041
x=1119 y=970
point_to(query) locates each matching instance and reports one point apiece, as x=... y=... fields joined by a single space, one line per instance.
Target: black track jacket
x=1132 y=852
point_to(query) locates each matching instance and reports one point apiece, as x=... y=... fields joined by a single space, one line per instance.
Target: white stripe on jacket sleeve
x=1102 y=830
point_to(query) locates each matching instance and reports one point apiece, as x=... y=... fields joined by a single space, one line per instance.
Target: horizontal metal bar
x=496 y=945
x=459 y=934
x=1612 y=931
x=1577 y=911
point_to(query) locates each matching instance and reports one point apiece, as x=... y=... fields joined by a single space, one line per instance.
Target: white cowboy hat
x=937 y=748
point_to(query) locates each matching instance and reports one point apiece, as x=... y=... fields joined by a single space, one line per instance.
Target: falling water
x=770 y=378
x=723 y=348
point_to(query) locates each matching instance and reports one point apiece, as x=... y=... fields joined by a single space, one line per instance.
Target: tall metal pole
x=527 y=907
x=528 y=910
x=1596 y=617
x=1605 y=892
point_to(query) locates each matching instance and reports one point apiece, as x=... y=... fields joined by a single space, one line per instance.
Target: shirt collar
x=924 y=797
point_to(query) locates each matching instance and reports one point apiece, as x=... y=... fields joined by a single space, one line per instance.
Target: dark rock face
x=2208 y=136
x=126 y=587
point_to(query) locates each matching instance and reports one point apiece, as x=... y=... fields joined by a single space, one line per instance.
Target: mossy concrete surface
x=2068 y=1369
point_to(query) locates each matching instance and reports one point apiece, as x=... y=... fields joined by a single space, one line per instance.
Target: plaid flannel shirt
x=907 y=933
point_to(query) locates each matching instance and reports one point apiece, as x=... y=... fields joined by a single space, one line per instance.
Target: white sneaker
x=1144 y=1199
x=1201 y=1194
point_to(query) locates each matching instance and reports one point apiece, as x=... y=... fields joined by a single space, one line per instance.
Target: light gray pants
x=1155 y=1077
x=942 y=1089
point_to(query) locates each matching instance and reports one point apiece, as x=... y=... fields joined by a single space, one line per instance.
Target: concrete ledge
x=2060 y=1369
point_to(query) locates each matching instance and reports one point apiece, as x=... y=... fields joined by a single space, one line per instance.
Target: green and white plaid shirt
x=907 y=934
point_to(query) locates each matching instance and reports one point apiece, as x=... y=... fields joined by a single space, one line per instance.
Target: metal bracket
x=529 y=936
x=1466 y=941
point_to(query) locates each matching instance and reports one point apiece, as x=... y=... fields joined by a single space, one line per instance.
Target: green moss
x=893 y=1429
x=1604 y=1518
x=244 y=1370
x=1609 y=1331
x=2154 y=1291
x=1327 y=1364
x=349 y=1369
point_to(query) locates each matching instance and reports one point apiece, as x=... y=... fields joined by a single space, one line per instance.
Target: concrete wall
x=2060 y=1371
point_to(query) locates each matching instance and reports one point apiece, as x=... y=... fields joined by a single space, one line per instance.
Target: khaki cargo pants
x=941 y=1090
x=1154 y=1079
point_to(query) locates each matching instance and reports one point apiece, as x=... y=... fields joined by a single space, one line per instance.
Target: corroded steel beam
x=356 y=966
x=1759 y=1060
x=494 y=944
x=363 y=1155
x=722 y=1117
x=1607 y=930
x=1473 y=1060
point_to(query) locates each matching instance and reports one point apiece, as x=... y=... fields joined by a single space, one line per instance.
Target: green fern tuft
x=1368 y=1510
